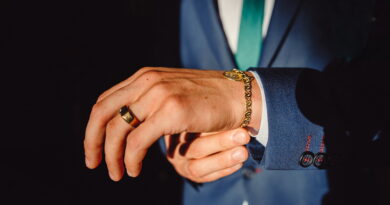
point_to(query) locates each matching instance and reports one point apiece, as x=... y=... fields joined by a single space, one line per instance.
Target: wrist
x=256 y=104
x=247 y=97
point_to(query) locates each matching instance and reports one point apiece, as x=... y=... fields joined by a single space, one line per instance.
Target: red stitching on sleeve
x=308 y=143
x=322 y=146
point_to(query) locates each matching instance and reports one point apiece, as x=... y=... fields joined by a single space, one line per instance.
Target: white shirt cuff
x=261 y=135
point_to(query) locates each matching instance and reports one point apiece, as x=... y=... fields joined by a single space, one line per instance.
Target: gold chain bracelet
x=238 y=75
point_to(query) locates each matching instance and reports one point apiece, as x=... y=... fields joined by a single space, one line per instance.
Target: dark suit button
x=306 y=159
x=320 y=160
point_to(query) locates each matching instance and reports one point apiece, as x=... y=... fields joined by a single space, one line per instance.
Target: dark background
x=56 y=58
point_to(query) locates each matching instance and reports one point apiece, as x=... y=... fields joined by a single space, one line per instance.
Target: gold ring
x=128 y=116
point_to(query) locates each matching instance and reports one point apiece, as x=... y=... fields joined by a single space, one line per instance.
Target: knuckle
x=223 y=143
x=175 y=102
x=111 y=125
x=179 y=169
x=161 y=89
x=142 y=70
x=145 y=69
x=111 y=160
x=224 y=162
x=112 y=157
x=194 y=151
x=172 y=161
x=151 y=76
x=193 y=170
x=96 y=110
x=180 y=114
x=127 y=161
x=101 y=97
x=116 y=158
x=133 y=144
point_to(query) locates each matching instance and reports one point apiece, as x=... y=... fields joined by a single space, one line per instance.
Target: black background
x=56 y=58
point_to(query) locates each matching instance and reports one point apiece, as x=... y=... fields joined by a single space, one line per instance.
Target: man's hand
x=207 y=157
x=167 y=101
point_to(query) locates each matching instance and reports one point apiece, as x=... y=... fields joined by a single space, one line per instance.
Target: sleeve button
x=306 y=159
x=320 y=160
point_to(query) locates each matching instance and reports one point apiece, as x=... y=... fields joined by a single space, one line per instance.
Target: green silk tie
x=250 y=36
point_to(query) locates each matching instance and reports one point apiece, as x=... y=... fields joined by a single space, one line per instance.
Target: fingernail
x=113 y=176
x=239 y=137
x=130 y=174
x=87 y=163
x=238 y=155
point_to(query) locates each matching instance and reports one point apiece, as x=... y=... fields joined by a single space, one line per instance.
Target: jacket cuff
x=291 y=134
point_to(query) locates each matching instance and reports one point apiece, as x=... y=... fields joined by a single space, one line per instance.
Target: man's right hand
x=207 y=157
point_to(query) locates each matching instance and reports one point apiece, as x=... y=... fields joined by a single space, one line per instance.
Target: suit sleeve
x=326 y=119
x=342 y=111
x=290 y=132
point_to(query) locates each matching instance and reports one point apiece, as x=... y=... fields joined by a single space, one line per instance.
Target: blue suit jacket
x=302 y=34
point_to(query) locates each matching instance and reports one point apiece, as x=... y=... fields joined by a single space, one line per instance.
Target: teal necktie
x=250 y=35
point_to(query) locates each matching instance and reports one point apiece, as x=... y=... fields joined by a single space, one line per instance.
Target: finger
x=136 y=147
x=93 y=146
x=219 y=174
x=201 y=167
x=180 y=163
x=107 y=108
x=116 y=133
x=95 y=136
x=204 y=146
x=141 y=138
x=103 y=112
x=93 y=152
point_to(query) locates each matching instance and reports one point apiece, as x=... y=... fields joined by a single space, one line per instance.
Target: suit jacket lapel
x=203 y=42
x=282 y=15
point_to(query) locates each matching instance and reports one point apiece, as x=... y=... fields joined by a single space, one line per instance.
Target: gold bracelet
x=238 y=75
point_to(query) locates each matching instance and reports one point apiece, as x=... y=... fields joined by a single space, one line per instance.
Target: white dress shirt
x=230 y=14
